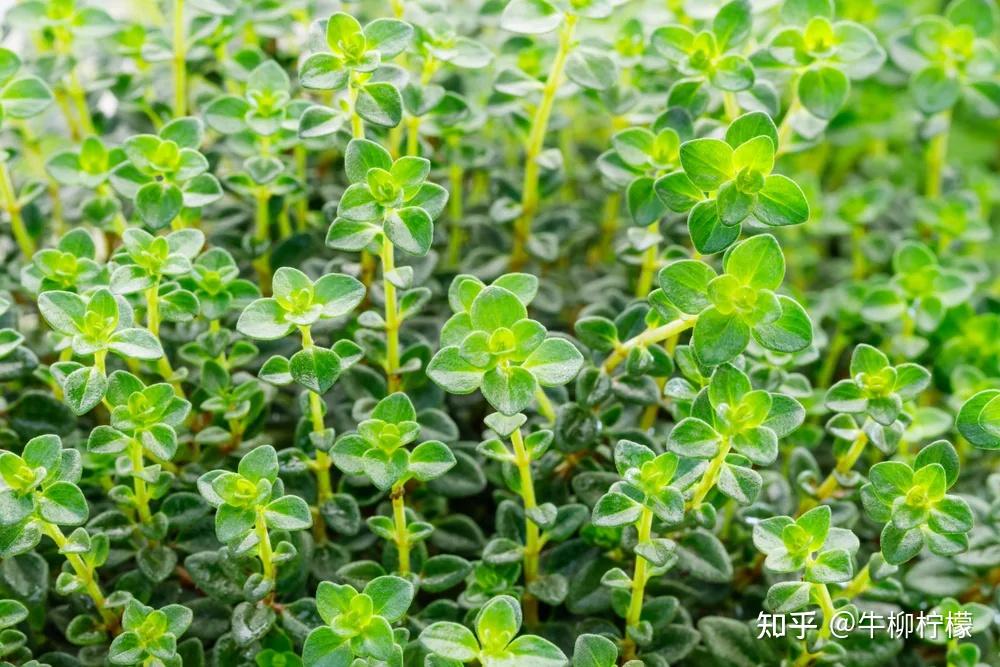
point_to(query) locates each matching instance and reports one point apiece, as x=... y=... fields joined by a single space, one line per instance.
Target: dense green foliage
x=511 y=333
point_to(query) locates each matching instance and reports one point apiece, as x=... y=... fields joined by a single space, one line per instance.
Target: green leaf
x=616 y=509
x=495 y=307
x=264 y=319
x=158 y=203
x=718 y=338
x=732 y=24
x=62 y=503
x=781 y=202
x=594 y=651
x=317 y=369
x=530 y=17
x=449 y=370
x=380 y=104
x=410 y=229
x=685 y=282
x=509 y=390
x=791 y=332
x=707 y=162
x=25 y=97
x=554 y=363
x=391 y=596
x=84 y=388
x=450 y=640
x=823 y=91
x=708 y=233
x=259 y=463
x=135 y=344
x=934 y=89
x=429 y=460
x=288 y=513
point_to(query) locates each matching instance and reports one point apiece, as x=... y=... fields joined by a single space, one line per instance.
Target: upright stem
x=456 y=176
x=532 y=543
x=302 y=203
x=826 y=606
x=649 y=264
x=785 y=129
x=180 y=61
x=324 y=490
x=391 y=316
x=544 y=404
x=730 y=106
x=262 y=233
x=711 y=476
x=357 y=125
x=937 y=152
x=13 y=208
x=639 y=578
x=153 y=324
x=536 y=140
x=859 y=584
x=141 y=493
x=86 y=573
x=79 y=97
x=401 y=537
x=264 y=550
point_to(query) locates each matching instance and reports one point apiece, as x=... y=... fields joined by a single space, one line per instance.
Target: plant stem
x=545 y=407
x=532 y=545
x=649 y=264
x=648 y=337
x=937 y=152
x=844 y=466
x=79 y=97
x=785 y=129
x=401 y=537
x=711 y=476
x=639 y=579
x=83 y=570
x=833 y=352
x=391 y=316
x=262 y=235
x=357 y=125
x=264 y=550
x=180 y=61
x=141 y=493
x=456 y=176
x=536 y=140
x=826 y=606
x=302 y=203
x=163 y=366
x=859 y=584
x=730 y=106
x=13 y=208
x=324 y=491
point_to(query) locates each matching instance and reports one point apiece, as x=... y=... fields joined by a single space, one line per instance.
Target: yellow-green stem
x=532 y=542
x=649 y=264
x=536 y=141
x=858 y=585
x=456 y=176
x=648 y=337
x=262 y=234
x=639 y=578
x=180 y=61
x=13 y=208
x=609 y=227
x=83 y=570
x=391 y=316
x=844 y=466
x=141 y=493
x=401 y=536
x=357 y=125
x=730 y=106
x=545 y=407
x=264 y=550
x=937 y=152
x=826 y=606
x=785 y=129
x=711 y=476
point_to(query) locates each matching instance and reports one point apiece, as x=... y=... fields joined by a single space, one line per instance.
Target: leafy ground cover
x=524 y=333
